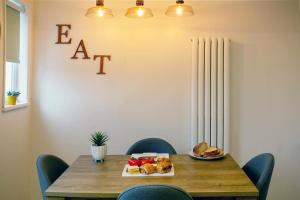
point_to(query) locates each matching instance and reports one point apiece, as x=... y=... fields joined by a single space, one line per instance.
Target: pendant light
x=99 y=11
x=139 y=11
x=179 y=9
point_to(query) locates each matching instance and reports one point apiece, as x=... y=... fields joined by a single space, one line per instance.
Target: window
x=16 y=52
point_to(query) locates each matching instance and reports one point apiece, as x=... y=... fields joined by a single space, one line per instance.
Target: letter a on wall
x=81 y=49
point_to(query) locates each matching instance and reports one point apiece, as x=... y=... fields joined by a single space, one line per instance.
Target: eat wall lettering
x=63 y=38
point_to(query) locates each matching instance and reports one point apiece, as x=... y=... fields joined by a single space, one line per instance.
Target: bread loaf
x=200 y=148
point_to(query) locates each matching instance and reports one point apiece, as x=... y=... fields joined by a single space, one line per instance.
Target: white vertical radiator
x=210 y=92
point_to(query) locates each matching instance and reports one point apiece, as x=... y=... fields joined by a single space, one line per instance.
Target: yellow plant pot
x=11 y=100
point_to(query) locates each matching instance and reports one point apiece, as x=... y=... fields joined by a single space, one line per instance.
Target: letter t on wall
x=102 y=62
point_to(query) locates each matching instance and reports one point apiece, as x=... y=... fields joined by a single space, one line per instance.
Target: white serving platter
x=126 y=174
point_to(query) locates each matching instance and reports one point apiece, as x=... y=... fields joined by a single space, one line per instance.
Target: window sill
x=8 y=108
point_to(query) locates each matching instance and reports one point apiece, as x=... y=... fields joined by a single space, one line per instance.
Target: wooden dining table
x=217 y=179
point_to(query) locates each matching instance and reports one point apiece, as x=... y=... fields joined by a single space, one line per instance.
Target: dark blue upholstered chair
x=156 y=145
x=49 y=168
x=259 y=169
x=154 y=192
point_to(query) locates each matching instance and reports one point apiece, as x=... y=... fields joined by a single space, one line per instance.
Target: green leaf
x=13 y=93
x=99 y=138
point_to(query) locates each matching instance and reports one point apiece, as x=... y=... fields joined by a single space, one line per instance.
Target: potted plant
x=99 y=147
x=12 y=97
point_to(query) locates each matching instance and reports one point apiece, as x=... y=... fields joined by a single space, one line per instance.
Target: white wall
x=146 y=92
x=15 y=141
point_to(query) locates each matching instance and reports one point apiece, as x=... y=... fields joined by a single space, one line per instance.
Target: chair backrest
x=156 y=145
x=259 y=169
x=49 y=168
x=157 y=192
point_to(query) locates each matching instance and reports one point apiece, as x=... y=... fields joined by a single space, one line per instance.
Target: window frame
x=22 y=8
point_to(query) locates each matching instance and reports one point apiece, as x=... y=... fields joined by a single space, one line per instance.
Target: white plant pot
x=98 y=152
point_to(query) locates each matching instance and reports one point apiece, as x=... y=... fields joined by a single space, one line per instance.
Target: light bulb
x=179 y=10
x=140 y=12
x=100 y=13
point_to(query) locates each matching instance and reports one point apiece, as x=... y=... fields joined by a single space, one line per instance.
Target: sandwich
x=162 y=159
x=212 y=152
x=163 y=167
x=133 y=169
x=148 y=169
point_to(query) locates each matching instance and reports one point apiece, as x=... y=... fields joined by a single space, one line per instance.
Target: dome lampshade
x=139 y=11
x=179 y=9
x=99 y=11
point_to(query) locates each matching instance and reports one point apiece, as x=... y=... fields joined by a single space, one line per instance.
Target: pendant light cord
x=139 y=2
x=180 y=2
x=99 y=2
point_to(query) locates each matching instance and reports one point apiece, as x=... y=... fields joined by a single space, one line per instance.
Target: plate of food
x=203 y=151
x=141 y=166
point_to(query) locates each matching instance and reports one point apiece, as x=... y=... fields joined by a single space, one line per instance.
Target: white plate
x=126 y=174
x=205 y=158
